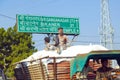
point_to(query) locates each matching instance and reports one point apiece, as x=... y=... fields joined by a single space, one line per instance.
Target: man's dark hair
x=103 y=60
x=47 y=39
x=60 y=28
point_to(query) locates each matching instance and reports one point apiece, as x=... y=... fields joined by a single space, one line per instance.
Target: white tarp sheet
x=69 y=52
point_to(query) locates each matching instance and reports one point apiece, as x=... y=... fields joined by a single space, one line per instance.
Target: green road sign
x=43 y=24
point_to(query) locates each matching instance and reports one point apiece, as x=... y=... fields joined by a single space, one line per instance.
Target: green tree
x=14 y=46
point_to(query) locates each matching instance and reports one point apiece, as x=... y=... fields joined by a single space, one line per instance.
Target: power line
x=40 y=41
x=93 y=42
x=91 y=36
x=7 y=17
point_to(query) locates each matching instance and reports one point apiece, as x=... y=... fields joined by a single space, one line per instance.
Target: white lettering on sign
x=49 y=24
x=44 y=24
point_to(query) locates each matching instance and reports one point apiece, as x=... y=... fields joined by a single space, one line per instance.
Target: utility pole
x=106 y=29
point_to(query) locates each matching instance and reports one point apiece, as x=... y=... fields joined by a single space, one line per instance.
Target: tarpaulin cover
x=78 y=63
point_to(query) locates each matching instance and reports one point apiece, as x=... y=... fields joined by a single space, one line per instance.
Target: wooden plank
x=36 y=72
x=62 y=72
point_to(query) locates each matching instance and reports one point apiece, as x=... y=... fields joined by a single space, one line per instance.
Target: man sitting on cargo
x=60 y=42
x=61 y=39
x=104 y=72
x=48 y=45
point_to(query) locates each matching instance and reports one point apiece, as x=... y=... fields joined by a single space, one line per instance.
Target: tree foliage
x=14 y=46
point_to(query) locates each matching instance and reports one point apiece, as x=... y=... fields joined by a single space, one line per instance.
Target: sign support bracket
x=73 y=39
